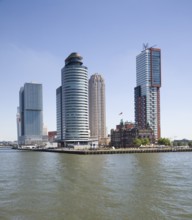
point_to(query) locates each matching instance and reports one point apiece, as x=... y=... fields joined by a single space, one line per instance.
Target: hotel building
x=147 y=91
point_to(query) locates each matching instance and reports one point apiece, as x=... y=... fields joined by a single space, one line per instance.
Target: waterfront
x=111 y=150
x=43 y=185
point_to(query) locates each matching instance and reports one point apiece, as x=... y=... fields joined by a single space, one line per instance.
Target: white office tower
x=97 y=109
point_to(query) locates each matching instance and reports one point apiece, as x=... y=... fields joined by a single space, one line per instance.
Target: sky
x=36 y=37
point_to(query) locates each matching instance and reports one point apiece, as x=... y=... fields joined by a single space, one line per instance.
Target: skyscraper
x=72 y=103
x=147 y=91
x=97 y=119
x=59 y=113
x=30 y=114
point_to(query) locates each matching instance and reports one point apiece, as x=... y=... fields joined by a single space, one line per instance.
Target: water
x=42 y=185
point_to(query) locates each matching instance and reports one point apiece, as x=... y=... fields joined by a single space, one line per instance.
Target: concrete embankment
x=115 y=151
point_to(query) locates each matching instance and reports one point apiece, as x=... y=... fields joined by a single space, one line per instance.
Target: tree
x=164 y=141
x=137 y=142
x=145 y=141
x=179 y=144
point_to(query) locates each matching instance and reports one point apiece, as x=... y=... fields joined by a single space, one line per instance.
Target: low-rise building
x=125 y=133
x=52 y=136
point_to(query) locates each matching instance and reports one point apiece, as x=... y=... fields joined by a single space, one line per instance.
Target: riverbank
x=114 y=151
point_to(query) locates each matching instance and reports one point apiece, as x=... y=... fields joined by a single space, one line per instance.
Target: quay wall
x=114 y=151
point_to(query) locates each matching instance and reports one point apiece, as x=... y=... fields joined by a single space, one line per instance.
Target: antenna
x=145 y=46
x=153 y=46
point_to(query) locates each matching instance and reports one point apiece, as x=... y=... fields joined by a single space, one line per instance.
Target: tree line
x=162 y=141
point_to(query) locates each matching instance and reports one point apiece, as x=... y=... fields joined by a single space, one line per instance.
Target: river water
x=42 y=185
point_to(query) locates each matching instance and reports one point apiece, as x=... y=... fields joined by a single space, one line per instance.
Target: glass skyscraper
x=30 y=114
x=97 y=119
x=147 y=91
x=72 y=103
x=59 y=113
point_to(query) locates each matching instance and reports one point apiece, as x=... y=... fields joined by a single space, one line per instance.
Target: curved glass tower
x=73 y=119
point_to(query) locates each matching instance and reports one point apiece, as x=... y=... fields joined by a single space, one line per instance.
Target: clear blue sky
x=36 y=36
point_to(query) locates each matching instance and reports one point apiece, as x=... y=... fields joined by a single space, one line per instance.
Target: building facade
x=30 y=114
x=147 y=91
x=59 y=117
x=125 y=134
x=52 y=136
x=72 y=103
x=97 y=109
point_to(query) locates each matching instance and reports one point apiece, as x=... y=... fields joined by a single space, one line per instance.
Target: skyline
x=36 y=37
